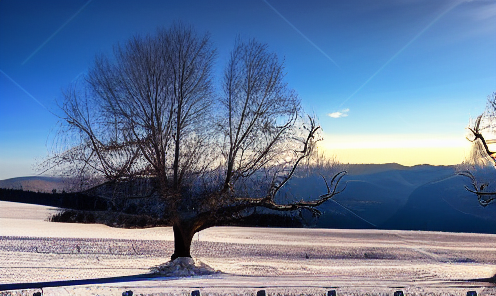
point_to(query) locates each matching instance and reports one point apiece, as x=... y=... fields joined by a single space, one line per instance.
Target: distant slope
x=388 y=196
x=376 y=197
x=370 y=168
x=373 y=197
x=443 y=206
x=34 y=183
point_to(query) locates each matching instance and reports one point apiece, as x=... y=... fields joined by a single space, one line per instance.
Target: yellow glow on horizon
x=402 y=149
x=403 y=156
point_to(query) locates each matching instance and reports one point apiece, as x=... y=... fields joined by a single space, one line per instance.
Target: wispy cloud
x=56 y=32
x=22 y=88
x=403 y=48
x=339 y=114
x=301 y=33
x=481 y=10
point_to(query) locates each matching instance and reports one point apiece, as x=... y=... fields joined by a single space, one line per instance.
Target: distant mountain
x=392 y=196
x=443 y=206
x=35 y=183
x=384 y=196
x=370 y=168
x=374 y=193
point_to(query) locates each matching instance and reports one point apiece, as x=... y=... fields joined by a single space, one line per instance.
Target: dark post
x=261 y=293
x=195 y=293
x=331 y=293
x=471 y=293
x=398 y=293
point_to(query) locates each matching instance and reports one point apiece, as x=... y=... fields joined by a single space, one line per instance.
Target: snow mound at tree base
x=183 y=266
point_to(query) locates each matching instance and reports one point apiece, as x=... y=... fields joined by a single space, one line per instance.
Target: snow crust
x=281 y=261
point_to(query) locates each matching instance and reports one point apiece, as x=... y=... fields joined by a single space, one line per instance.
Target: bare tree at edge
x=482 y=133
x=149 y=112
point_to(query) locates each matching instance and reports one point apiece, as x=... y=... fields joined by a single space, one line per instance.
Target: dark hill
x=373 y=197
x=388 y=196
x=370 y=168
x=443 y=206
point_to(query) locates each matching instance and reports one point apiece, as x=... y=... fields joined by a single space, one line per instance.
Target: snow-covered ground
x=281 y=261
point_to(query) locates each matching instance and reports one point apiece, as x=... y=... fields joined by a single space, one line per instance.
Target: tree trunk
x=182 y=241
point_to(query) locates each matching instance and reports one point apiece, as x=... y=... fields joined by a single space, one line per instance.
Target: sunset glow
x=403 y=149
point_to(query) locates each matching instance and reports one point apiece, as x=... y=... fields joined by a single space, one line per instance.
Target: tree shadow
x=119 y=279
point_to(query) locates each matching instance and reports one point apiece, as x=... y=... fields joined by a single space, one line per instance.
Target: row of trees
x=153 y=110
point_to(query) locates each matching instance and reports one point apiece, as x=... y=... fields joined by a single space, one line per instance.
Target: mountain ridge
x=383 y=196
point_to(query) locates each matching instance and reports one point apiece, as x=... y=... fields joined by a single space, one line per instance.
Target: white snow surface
x=281 y=261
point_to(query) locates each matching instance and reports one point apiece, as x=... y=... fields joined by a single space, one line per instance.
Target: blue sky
x=390 y=81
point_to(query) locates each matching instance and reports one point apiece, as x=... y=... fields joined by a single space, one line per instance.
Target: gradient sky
x=390 y=81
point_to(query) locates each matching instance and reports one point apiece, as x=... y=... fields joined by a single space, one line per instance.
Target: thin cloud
x=339 y=114
x=403 y=49
x=56 y=32
x=22 y=88
x=301 y=33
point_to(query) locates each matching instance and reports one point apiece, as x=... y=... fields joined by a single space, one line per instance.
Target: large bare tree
x=149 y=112
x=482 y=161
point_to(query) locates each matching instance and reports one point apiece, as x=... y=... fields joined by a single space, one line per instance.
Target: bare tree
x=479 y=168
x=147 y=113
